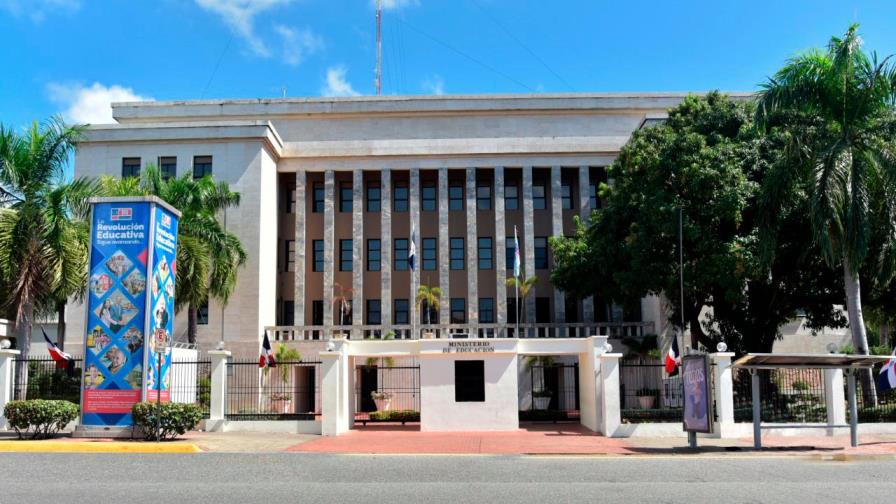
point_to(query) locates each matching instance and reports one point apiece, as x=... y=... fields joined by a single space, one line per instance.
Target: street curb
x=95 y=447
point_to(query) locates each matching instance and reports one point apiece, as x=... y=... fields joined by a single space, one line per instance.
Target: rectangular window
x=373 y=255
x=401 y=311
x=571 y=310
x=542 y=310
x=345 y=255
x=400 y=198
x=290 y=255
x=593 y=202
x=455 y=197
x=458 y=310
x=202 y=314
x=484 y=197
x=317 y=312
x=318 y=194
x=566 y=196
x=510 y=254
x=430 y=254
x=373 y=313
x=428 y=196
x=130 y=167
x=541 y=253
x=457 y=253
x=289 y=200
x=344 y=311
x=287 y=314
x=202 y=166
x=511 y=310
x=345 y=197
x=374 y=197
x=317 y=255
x=469 y=381
x=539 y=202
x=168 y=167
x=511 y=197
x=401 y=254
x=484 y=246
x=487 y=310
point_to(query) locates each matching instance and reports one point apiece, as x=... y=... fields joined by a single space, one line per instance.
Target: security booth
x=849 y=364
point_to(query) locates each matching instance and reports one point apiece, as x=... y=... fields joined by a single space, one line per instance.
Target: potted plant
x=383 y=400
x=647 y=397
x=282 y=403
x=541 y=398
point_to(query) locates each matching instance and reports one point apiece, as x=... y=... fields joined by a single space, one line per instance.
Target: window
x=343 y=313
x=510 y=254
x=484 y=197
x=457 y=253
x=345 y=197
x=542 y=310
x=541 y=253
x=484 y=246
x=202 y=314
x=317 y=255
x=571 y=310
x=456 y=197
x=373 y=312
x=401 y=313
x=469 y=381
x=168 y=167
x=289 y=199
x=401 y=254
x=593 y=203
x=318 y=193
x=566 y=196
x=430 y=254
x=538 y=199
x=511 y=197
x=487 y=310
x=400 y=198
x=287 y=314
x=317 y=312
x=428 y=198
x=130 y=167
x=374 y=197
x=202 y=166
x=345 y=255
x=511 y=310
x=458 y=310
x=374 y=249
x=290 y=255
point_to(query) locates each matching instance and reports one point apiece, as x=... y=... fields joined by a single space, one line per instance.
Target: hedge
x=176 y=419
x=395 y=416
x=39 y=418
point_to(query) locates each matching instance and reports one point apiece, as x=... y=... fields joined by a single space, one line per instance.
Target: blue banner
x=161 y=302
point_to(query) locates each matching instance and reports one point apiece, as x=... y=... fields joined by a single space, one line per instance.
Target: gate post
x=611 y=414
x=7 y=361
x=724 y=393
x=218 y=389
x=834 y=401
x=335 y=392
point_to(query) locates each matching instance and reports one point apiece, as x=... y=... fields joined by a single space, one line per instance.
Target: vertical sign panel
x=161 y=304
x=697 y=393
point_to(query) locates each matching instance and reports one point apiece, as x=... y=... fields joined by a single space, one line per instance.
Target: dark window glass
x=289 y=199
x=509 y=254
x=430 y=254
x=458 y=310
x=401 y=254
x=373 y=255
x=456 y=197
x=487 y=310
x=542 y=310
x=130 y=167
x=457 y=253
x=400 y=309
x=317 y=312
x=566 y=196
x=374 y=313
x=539 y=201
x=317 y=255
x=202 y=314
x=571 y=310
x=484 y=197
x=202 y=166
x=345 y=255
x=168 y=167
x=511 y=310
x=511 y=197
x=400 y=198
x=345 y=197
x=469 y=381
x=593 y=202
x=541 y=253
x=428 y=196
x=484 y=246
x=289 y=255
x=318 y=194
x=374 y=197
x=287 y=314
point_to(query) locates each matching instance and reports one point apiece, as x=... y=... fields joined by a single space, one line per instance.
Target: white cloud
x=240 y=16
x=37 y=10
x=90 y=105
x=396 y=4
x=336 y=85
x=298 y=43
x=434 y=85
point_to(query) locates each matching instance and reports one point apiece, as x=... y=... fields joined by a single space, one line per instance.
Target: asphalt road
x=220 y=478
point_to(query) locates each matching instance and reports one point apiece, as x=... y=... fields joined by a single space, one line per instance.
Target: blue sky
x=73 y=57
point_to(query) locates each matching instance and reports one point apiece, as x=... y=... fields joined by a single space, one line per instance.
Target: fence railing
x=553 y=393
x=647 y=393
x=290 y=391
x=47 y=381
x=399 y=386
x=786 y=395
x=191 y=383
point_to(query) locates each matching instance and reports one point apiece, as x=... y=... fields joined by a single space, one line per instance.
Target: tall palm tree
x=525 y=287
x=847 y=163
x=341 y=297
x=428 y=298
x=208 y=256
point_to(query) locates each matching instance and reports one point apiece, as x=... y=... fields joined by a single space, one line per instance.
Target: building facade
x=337 y=192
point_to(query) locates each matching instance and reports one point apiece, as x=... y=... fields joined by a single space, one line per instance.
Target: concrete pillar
x=335 y=392
x=7 y=363
x=218 y=392
x=414 y=207
x=329 y=243
x=528 y=242
x=444 y=248
x=834 y=401
x=589 y=399
x=358 y=251
x=386 y=247
x=585 y=213
x=724 y=394
x=611 y=414
x=557 y=230
x=299 y=290
x=472 y=251
x=500 y=248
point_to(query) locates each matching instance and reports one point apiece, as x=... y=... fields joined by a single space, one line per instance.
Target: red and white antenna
x=379 y=47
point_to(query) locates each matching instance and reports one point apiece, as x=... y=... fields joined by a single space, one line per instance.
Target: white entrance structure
x=498 y=409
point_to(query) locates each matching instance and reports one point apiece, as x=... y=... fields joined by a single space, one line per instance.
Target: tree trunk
x=60 y=324
x=192 y=323
x=852 y=286
x=23 y=332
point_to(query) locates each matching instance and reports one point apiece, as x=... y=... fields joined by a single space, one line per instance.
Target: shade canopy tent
x=850 y=364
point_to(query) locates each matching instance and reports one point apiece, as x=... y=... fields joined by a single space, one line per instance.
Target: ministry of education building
x=331 y=189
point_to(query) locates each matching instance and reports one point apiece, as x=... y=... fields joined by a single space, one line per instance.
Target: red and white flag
x=61 y=358
x=266 y=359
x=673 y=358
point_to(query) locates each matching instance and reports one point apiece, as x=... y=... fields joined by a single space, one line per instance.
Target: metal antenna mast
x=379 y=47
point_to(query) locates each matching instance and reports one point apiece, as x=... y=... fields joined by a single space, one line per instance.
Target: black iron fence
x=553 y=393
x=191 y=383
x=884 y=410
x=647 y=393
x=786 y=395
x=47 y=380
x=290 y=391
x=381 y=387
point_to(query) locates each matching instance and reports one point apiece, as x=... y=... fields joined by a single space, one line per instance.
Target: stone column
x=834 y=401
x=444 y=249
x=7 y=362
x=299 y=290
x=357 y=252
x=472 y=251
x=611 y=415
x=724 y=393
x=218 y=392
x=414 y=208
x=329 y=243
x=500 y=253
x=386 y=247
x=557 y=230
x=528 y=242
x=335 y=391
x=585 y=205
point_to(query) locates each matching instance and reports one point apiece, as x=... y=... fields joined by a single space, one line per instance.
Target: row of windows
x=457 y=254
x=202 y=166
x=373 y=313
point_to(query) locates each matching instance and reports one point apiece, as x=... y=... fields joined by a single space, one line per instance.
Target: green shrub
x=543 y=416
x=39 y=418
x=395 y=416
x=176 y=419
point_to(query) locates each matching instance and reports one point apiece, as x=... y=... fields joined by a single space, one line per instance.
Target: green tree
x=428 y=297
x=208 y=256
x=846 y=163
x=525 y=287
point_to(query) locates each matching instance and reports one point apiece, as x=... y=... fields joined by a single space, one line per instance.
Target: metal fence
x=786 y=395
x=882 y=411
x=191 y=383
x=290 y=391
x=647 y=393
x=46 y=381
x=398 y=387
x=553 y=393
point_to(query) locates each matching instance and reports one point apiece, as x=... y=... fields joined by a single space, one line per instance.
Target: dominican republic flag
x=61 y=358
x=412 y=250
x=516 y=254
x=673 y=358
x=887 y=378
x=266 y=359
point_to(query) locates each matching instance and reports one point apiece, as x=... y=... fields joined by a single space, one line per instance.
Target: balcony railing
x=559 y=330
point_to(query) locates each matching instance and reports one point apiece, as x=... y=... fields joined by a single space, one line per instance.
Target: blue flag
x=412 y=251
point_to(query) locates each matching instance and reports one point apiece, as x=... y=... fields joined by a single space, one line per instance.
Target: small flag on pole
x=267 y=356
x=412 y=250
x=61 y=358
x=516 y=254
x=887 y=378
x=673 y=358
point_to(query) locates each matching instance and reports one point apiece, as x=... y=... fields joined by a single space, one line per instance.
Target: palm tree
x=341 y=297
x=208 y=256
x=428 y=300
x=525 y=287
x=847 y=163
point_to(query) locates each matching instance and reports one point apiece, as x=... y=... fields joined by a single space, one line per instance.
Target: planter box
x=646 y=402
x=541 y=403
x=383 y=404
